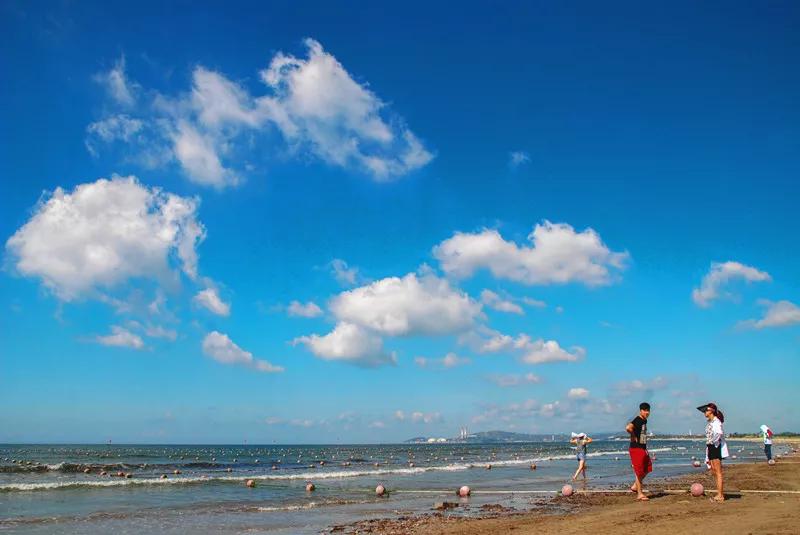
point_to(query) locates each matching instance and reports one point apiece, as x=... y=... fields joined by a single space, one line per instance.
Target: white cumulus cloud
x=104 y=233
x=411 y=305
x=349 y=343
x=222 y=349
x=720 y=274
x=312 y=102
x=557 y=255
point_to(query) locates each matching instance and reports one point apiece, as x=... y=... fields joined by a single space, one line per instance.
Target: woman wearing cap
x=716 y=447
x=580 y=440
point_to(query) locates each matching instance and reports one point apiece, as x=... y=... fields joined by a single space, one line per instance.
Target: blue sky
x=300 y=222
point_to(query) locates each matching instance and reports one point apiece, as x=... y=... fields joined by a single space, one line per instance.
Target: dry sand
x=665 y=513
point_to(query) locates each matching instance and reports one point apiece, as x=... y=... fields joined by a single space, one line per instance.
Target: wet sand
x=666 y=513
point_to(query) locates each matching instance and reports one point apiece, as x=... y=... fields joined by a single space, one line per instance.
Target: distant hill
x=491 y=437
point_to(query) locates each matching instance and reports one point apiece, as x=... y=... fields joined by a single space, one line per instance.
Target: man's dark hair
x=644 y=406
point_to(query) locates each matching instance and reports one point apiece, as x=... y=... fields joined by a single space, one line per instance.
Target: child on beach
x=716 y=447
x=581 y=440
x=640 y=460
x=766 y=434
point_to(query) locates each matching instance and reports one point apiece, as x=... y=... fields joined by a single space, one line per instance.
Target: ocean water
x=44 y=488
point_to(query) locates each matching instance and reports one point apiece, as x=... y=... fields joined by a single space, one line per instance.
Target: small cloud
x=777 y=314
x=117 y=84
x=222 y=349
x=510 y=380
x=422 y=362
x=377 y=424
x=120 y=337
x=209 y=299
x=578 y=393
x=517 y=158
x=343 y=273
x=534 y=302
x=494 y=301
x=451 y=360
x=157 y=331
x=274 y=420
x=307 y=310
x=719 y=276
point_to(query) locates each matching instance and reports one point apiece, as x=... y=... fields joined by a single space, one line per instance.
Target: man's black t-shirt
x=639 y=435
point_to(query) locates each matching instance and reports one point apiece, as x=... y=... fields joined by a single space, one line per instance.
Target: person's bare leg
x=639 y=491
x=716 y=464
x=579 y=470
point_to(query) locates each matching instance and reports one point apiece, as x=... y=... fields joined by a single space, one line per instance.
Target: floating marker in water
x=533 y=466
x=176 y=472
x=250 y=483
x=488 y=466
x=380 y=490
x=697 y=490
x=310 y=487
x=464 y=491
x=163 y=476
x=567 y=490
x=696 y=464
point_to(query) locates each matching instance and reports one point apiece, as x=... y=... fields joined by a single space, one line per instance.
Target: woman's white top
x=715 y=436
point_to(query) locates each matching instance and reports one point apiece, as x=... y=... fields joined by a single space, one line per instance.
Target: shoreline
x=761 y=498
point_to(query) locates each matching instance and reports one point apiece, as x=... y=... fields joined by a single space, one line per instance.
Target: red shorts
x=640 y=461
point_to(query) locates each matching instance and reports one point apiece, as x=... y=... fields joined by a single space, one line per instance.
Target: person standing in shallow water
x=581 y=440
x=640 y=459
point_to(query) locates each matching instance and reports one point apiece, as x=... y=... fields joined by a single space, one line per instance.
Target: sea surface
x=202 y=489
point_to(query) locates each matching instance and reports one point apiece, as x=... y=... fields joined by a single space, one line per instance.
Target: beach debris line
x=697 y=490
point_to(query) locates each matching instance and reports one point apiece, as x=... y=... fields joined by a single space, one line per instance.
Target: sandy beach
x=757 y=502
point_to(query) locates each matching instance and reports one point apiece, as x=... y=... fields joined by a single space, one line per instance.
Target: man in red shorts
x=640 y=459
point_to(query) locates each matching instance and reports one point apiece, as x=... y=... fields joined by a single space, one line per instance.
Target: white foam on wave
x=302 y=476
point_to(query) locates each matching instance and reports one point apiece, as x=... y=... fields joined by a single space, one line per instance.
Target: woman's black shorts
x=714 y=452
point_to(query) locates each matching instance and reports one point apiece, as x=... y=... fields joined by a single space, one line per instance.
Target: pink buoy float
x=310 y=487
x=697 y=490
x=380 y=490
x=464 y=491
x=533 y=466
x=567 y=490
x=250 y=483
x=696 y=464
